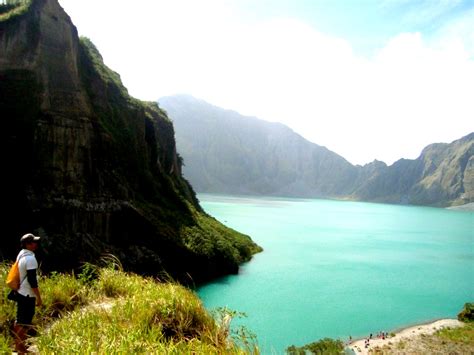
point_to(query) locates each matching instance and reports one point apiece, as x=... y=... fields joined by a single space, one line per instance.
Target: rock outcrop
x=92 y=169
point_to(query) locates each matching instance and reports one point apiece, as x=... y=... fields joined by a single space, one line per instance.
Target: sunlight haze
x=367 y=79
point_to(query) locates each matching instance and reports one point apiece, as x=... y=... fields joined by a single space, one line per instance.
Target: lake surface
x=334 y=269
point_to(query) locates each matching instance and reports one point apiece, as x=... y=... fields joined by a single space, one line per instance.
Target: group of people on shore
x=380 y=335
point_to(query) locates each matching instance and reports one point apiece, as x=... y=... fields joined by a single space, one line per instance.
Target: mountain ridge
x=301 y=168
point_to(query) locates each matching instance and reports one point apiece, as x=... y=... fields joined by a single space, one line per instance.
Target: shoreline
x=412 y=332
x=467 y=207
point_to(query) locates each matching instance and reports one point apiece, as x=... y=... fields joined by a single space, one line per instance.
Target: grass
x=107 y=311
x=463 y=336
x=8 y=12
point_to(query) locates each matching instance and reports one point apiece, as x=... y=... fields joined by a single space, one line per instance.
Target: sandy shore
x=407 y=334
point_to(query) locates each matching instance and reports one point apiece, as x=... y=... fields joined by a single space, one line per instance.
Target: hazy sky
x=369 y=79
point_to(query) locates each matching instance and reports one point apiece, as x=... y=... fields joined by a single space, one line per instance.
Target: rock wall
x=87 y=166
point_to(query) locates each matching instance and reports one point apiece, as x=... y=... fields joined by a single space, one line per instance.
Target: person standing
x=29 y=295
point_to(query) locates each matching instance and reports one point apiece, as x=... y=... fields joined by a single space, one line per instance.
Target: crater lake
x=338 y=268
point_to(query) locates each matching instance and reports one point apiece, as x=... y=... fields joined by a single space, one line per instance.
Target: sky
x=368 y=79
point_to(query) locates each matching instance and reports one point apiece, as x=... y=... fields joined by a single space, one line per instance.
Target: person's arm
x=39 y=301
x=33 y=281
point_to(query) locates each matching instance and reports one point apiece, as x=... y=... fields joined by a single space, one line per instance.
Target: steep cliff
x=92 y=169
x=226 y=152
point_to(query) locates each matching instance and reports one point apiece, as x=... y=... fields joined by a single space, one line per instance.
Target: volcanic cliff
x=90 y=168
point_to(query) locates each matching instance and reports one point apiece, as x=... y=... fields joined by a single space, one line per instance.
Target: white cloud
x=410 y=94
x=386 y=107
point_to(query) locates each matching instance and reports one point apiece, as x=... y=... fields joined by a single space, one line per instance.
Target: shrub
x=467 y=313
x=326 y=346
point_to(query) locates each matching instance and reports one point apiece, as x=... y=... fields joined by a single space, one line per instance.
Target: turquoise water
x=334 y=269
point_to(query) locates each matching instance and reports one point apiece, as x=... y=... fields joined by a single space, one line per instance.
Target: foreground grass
x=107 y=311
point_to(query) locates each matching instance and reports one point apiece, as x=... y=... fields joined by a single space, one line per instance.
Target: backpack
x=13 y=278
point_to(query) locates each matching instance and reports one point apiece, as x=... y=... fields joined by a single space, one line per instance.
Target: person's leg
x=24 y=318
x=20 y=333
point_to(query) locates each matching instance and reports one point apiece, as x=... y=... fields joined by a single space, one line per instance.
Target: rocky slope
x=442 y=175
x=225 y=152
x=90 y=168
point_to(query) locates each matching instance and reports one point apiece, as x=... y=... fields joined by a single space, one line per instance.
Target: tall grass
x=7 y=312
x=107 y=311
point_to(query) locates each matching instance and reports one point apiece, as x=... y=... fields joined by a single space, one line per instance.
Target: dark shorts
x=25 y=310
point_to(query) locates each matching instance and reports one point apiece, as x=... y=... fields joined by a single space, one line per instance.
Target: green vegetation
x=459 y=336
x=326 y=346
x=13 y=8
x=467 y=313
x=105 y=73
x=107 y=311
x=211 y=238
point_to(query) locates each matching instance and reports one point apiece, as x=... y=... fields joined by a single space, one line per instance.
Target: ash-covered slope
x=90 y=168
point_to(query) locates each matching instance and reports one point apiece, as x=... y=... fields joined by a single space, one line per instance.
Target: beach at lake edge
x=411 y=334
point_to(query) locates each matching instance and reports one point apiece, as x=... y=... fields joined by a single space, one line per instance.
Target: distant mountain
x=225 y=152
x=442 y=175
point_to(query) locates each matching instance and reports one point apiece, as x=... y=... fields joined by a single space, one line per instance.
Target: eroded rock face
x=91 y=168
x=57 y=144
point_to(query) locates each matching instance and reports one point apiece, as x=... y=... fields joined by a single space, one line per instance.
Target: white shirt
x=27 y=261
